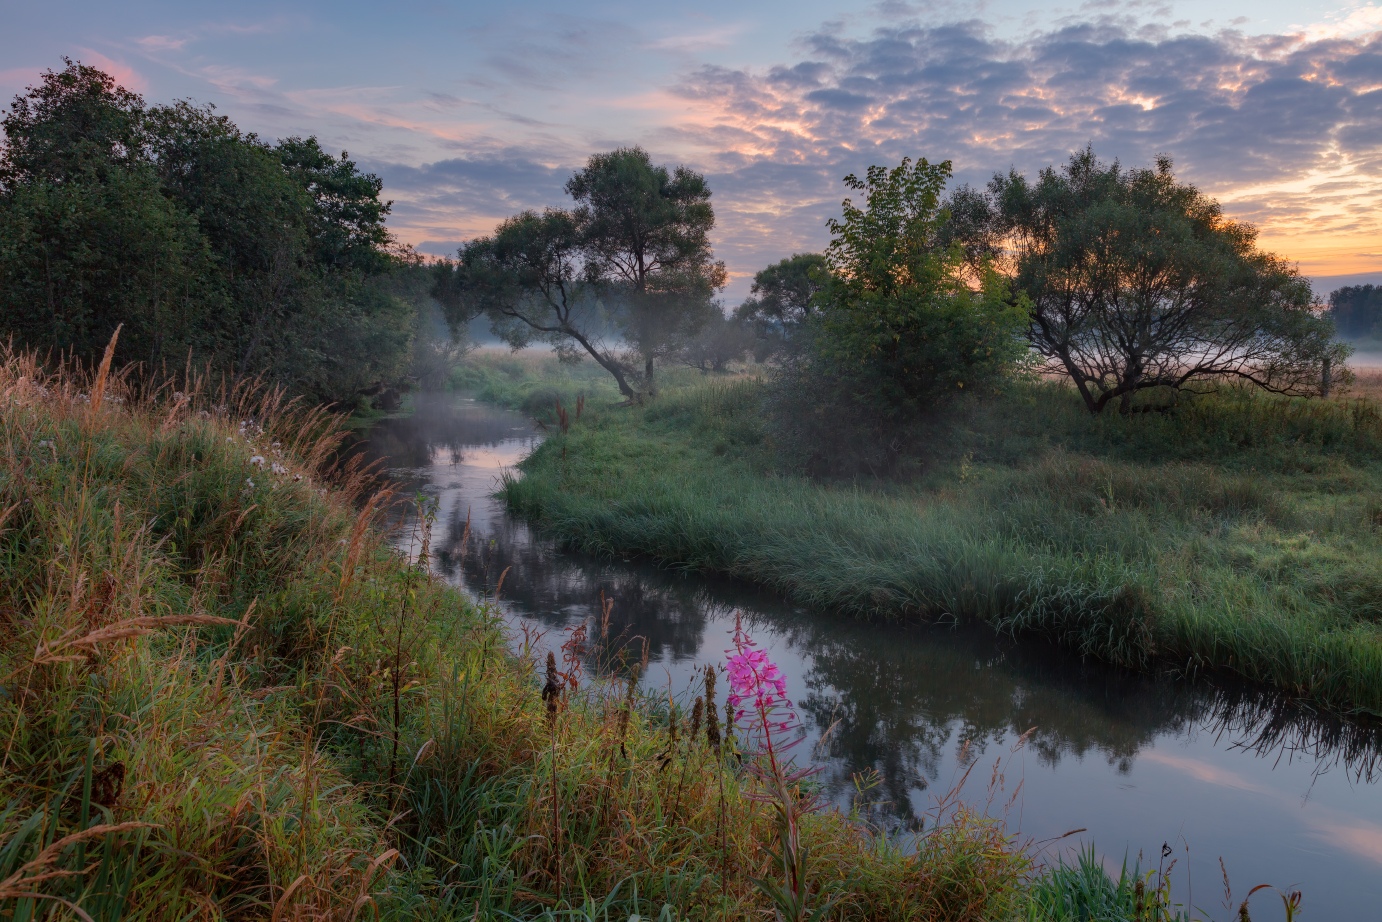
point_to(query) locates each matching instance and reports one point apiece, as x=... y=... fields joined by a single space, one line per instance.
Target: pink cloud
x=124 y=74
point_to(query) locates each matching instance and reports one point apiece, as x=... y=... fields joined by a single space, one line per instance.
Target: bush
x=899 y=331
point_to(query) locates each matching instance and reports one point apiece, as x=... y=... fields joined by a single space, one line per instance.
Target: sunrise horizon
x=1278 y=119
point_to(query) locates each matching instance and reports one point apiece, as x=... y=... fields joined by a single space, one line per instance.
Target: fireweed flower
x=758 y=696
x=756 y=681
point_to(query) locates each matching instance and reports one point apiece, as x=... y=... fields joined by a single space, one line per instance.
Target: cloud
x=124 y=74
x=445 y=202
x=1358 y=22
x=1286 y=130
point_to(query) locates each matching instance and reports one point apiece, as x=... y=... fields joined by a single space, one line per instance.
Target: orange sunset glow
x=469 y=117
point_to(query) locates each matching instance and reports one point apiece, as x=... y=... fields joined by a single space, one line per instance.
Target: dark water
x=1284 y=795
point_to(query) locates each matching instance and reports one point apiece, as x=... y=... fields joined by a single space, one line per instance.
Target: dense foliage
x=897 y=330
x=783 y=296
x=205 y=243
x=1138 y=281
x=1357 y=311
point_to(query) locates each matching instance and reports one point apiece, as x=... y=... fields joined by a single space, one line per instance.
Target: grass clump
x=224 y=696
x=1238 y=531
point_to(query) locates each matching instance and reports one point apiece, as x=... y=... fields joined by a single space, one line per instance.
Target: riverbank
x=226 y=697
x=1241 y=532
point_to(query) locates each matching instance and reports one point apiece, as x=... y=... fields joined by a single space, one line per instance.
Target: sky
x=472 y=111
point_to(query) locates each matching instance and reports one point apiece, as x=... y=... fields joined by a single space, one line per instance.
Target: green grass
x=1239 y=532
x=1083 y=891
x=530 y=381
x=223 y=697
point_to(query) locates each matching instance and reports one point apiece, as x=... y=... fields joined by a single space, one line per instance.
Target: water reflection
x=1285 y=794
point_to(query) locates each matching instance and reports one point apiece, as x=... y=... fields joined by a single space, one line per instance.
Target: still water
x=1284 y=795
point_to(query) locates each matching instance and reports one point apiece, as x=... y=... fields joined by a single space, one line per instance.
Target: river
x=1210 y=768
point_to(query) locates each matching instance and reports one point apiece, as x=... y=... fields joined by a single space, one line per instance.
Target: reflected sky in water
x=1285 y=795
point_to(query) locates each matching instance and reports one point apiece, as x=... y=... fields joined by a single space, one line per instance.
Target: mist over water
x=1286 y=796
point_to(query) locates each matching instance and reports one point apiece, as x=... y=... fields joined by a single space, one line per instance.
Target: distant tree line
x=206 y=243
x=209 y=244
x=1124 y=281
x=1357 y=311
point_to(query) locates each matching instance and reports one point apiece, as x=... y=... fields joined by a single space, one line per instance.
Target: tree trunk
x=648 y=387
x=610 y=366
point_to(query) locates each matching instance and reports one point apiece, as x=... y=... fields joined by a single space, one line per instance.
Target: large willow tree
x=1138 y=281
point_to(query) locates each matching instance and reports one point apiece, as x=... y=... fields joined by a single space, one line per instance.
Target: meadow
x=226 y=697
x=1238 y=531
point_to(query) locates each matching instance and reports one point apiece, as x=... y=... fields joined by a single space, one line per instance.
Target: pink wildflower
x=754 y=679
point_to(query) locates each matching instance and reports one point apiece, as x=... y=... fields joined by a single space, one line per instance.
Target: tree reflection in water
x=904 y=700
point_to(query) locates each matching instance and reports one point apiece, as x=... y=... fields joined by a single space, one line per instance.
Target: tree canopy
x=646 y=241
x=198 y=238
x=635 y=249
x=781 y=299
x=896 y=331
x=529 y=278
x=1139 y=281
x=897 y=315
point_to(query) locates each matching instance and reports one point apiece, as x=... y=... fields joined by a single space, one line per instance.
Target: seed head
x=697 y=714
x=712 y=716
x=551 y=692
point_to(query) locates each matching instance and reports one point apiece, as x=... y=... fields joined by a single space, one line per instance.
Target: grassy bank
x=224 y=697
x=1240 y=532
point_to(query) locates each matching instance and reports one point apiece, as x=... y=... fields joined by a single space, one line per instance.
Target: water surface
x=1284 y=795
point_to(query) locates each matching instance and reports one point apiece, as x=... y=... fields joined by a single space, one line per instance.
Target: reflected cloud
x=1325 y=825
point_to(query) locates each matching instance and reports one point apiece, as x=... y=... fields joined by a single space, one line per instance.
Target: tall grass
x=223 y=696
x=1238 y=531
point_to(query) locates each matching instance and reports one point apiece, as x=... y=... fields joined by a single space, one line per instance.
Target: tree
x=781 y=300
x=1138 y=281
x=529 y=278
x=1356 y=310
x=196 y=237
x=348 y=230
x=75 y=122
x=257 y=220
x=722 y=340
x=897 y=317
x=895 y=334
x=645 y=237
x=88 y=241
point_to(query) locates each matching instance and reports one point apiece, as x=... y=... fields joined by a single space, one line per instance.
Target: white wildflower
x=258 y=461
x=278 y=468
x=249 y=483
